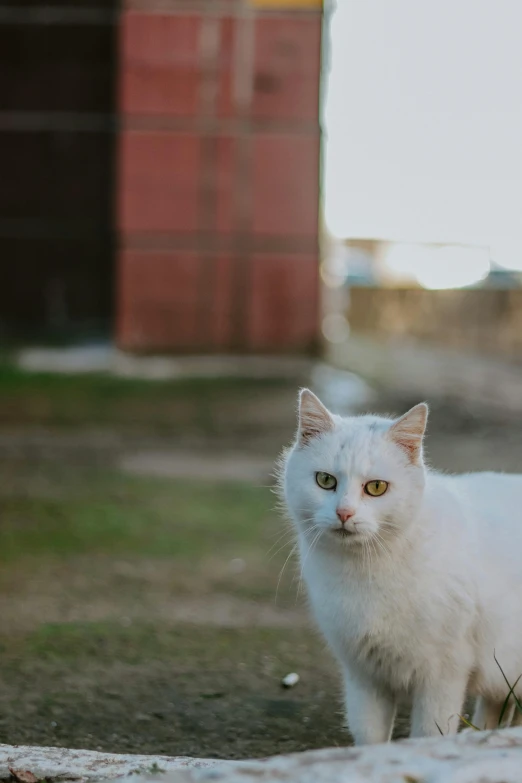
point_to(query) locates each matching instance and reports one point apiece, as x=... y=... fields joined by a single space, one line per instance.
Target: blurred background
x=204 y=205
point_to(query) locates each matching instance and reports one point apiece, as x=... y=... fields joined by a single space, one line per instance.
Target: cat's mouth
x=342 y=532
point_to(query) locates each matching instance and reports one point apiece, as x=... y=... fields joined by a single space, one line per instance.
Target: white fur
x=420 y=599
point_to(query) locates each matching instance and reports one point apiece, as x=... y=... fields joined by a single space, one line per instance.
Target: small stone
x=290 y=680
x=237 y=565
x=143 y=717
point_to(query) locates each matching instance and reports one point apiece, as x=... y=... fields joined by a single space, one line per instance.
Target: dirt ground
x=146 y=612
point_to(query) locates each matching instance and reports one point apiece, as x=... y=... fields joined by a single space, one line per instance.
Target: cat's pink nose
x=345 y=514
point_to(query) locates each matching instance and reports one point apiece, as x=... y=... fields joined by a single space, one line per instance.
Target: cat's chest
x=360 y=602
x=365 y=609
x=379 y=625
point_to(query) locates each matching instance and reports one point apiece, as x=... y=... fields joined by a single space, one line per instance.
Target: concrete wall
x=482 y=321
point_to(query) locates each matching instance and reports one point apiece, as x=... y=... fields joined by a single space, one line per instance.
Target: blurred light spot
x=446 y=266
x=333 y=272
x=335 y=328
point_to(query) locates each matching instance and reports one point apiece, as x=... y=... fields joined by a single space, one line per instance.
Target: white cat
x=414 y=578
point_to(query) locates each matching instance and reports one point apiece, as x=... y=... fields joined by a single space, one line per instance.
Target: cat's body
x=418 y=588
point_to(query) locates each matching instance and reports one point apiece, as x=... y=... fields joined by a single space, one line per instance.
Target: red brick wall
x=218 y=176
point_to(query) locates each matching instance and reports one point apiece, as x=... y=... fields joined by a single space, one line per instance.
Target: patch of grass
x=510 y=695
x=106 y=513
x=65 y=400
x=155 y=769
x=511 y=691
x=182 y=646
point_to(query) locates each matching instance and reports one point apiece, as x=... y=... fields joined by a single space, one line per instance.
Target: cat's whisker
x=316 y=537
x=289 y=535
x=372 y=547
x=315 y=526
x=385 y=543
x=366 y=558
x=382 y=546
x=367 y=553
x=364 y=554
x=283 y=546
x=286 y=529
x=294 y=548
x=391 y=524
x=310 y=548
x=385 y=552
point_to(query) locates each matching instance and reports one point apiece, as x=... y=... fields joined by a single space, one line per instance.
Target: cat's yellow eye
x=376 y=488
x=325 y=480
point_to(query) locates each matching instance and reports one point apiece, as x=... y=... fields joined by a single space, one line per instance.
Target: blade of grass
x=468 y=723
x=519 y=705
x=506 y=702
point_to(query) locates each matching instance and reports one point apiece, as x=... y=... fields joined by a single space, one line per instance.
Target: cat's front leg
x=370 y=711
x=437 y=705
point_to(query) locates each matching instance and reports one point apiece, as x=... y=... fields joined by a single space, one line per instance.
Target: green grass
x=64 y=504
x=64 y=497
x=141 y=641
x=68 y=400
x=510 y=695
x=107 y=513
x=103 y=386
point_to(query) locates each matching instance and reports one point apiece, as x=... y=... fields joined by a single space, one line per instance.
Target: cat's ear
x=408 y=431
x=314 y=418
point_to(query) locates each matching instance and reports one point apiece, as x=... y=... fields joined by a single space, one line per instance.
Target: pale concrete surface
x=89 y=765
x=108 y=359
x=470 y=757
x=86 y=359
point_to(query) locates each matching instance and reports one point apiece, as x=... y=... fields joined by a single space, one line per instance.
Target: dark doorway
x=57 y=131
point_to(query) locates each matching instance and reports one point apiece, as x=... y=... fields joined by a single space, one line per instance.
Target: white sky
x=424 y=123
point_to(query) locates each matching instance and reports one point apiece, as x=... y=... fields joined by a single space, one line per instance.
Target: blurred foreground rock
x=471 y=757
x=52 y=764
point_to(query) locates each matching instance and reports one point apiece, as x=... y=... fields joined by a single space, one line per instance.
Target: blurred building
x=403 y=294
x=57 y=141
x=431 y=265
x=161 y=172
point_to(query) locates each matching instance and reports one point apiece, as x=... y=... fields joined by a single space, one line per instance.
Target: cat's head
x=354 y=479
